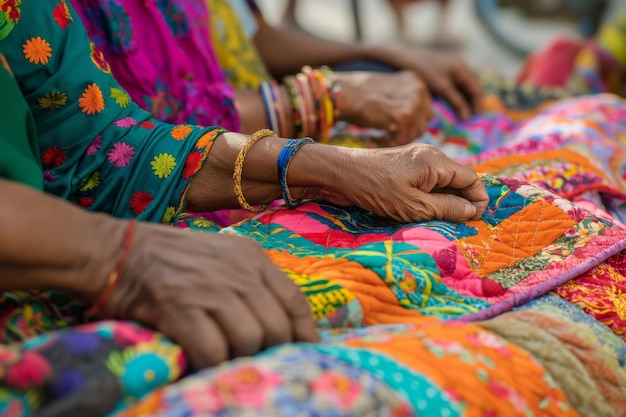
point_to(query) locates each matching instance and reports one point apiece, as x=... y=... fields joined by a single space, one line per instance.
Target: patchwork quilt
x=357 y=271
x=520 y=313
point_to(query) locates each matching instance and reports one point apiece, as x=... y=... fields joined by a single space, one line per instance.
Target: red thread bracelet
x=115 y=276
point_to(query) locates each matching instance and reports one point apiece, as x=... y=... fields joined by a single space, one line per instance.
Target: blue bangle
x=286 y=154
x=268 y=101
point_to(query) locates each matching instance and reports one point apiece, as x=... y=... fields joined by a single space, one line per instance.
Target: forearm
x=314 y=167
x=49 y=244
x=284 y=50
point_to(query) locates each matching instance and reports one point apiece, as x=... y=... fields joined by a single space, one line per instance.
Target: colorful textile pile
x=358 y=271
x=582 y=66
x=520 y=313
x=395 y=302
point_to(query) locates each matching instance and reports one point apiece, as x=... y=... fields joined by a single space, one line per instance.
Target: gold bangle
x=237 y=173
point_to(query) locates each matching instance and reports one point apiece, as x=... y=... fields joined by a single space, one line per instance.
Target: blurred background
x=490 y=34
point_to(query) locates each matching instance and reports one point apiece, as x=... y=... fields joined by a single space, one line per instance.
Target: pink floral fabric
x=161 y=53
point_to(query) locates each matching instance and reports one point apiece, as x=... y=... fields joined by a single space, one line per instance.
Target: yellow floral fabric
x=235 y=51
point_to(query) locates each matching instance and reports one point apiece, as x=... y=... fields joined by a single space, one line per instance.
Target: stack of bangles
x=284 y=159
x=315 y=102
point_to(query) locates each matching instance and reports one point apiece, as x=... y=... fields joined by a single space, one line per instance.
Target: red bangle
x=115 y=276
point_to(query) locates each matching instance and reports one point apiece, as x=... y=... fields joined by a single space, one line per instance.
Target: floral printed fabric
x=381 y=371
x=161 y=52
x=62 y=366
x=235 y=50
x=98 y=149
x=88 y=371
x=428 y=367
x=356 y=274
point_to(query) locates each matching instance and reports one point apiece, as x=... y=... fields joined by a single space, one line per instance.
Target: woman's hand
x=399 y=103
x=218 y=296
x=415 y=182
x=446 y=75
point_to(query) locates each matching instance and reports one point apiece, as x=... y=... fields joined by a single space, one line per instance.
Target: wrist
x=378 y=53
x=346 y=112
x=60 y=248
x=321 y=166
x=288 y=112
x=383 y=54
x=314 y=167
x=104 y=247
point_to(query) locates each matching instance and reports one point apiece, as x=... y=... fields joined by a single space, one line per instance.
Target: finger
x=468 y=81
x=410 y=212
x=450 y=92
x=443 y=207
x=427 y=110
x=408 y=208
x=294 y=302
x=417 y=122
x=430 y=106
x=392 y=130
x=199 y=336
x=411 y=116
x=238 y=323
x=270 y=314
x=462 y=175
x=476 y=193
x=418 y=126
x=463 y=182
x=470 y=187
x=401 y=134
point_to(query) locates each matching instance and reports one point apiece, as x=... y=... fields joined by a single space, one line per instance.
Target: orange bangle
x=327 y=106
x=115 y=276
x=237 y=173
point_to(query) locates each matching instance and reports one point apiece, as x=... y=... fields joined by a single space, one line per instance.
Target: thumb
x=451 y=207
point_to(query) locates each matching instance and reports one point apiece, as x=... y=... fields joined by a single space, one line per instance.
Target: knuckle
x=404 y=114
x=251 y=287
x=434 y=211
x=422 y=212
x=297 y=303
x=440 y=85
x=430 y=150
x=442 y=173
x=421 y=90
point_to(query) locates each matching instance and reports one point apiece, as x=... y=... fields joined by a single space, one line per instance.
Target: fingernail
x=469 y=211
